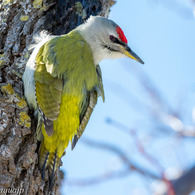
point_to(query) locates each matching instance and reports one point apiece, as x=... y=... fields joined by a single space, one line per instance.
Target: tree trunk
x=19 y=21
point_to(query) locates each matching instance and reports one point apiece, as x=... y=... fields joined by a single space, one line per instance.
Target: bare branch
x=144 y=153
x=123 y=157
x=160 y=108
x=186 y=183
x=98 y=179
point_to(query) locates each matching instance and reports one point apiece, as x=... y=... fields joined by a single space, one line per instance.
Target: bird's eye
x=116 y=40
x=112 y=38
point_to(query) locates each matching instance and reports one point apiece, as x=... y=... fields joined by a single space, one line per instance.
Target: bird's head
x=106 y=39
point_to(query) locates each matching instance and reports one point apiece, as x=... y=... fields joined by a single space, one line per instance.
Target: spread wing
x=88 y=105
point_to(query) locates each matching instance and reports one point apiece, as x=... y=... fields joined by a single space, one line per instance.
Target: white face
x=107 y=38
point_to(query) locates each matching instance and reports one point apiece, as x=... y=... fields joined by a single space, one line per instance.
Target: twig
x=97 y=179
x=141 y=149
x=111 y=174
x=121 y=155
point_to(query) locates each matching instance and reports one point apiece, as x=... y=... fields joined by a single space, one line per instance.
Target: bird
x=63 y=80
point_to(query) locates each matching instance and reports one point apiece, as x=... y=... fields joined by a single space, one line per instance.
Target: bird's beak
x=128 y=52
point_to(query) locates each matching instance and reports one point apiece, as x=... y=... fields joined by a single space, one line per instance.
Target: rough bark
x=19 y=21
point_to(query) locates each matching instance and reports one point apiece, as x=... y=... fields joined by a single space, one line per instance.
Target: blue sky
x=162 y=34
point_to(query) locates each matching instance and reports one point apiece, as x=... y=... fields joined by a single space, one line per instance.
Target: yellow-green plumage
x=62 y=81
x=65 y=126
x=65 y=76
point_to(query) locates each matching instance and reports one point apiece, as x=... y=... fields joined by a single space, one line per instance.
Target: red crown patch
x=121 y=34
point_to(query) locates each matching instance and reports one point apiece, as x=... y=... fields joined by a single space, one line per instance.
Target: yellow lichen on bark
x=7 y=89
x=24 y=120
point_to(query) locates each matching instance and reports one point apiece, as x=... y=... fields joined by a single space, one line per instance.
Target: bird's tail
x=48 y=161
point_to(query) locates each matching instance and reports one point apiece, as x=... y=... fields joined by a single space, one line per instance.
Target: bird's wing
x=61 y=63
x=48 y=92
x=88 y=105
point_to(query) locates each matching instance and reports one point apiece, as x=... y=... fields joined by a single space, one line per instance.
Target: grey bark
x=19 y=21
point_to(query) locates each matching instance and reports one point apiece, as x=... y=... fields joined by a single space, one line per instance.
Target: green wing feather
x=48 y=92
x=58 y=72
x=88 y=105
x=64 y=66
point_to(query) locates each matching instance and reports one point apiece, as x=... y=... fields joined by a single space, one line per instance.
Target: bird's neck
x=92 y=37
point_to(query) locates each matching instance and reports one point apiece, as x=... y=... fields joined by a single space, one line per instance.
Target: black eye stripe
x=109 y=48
